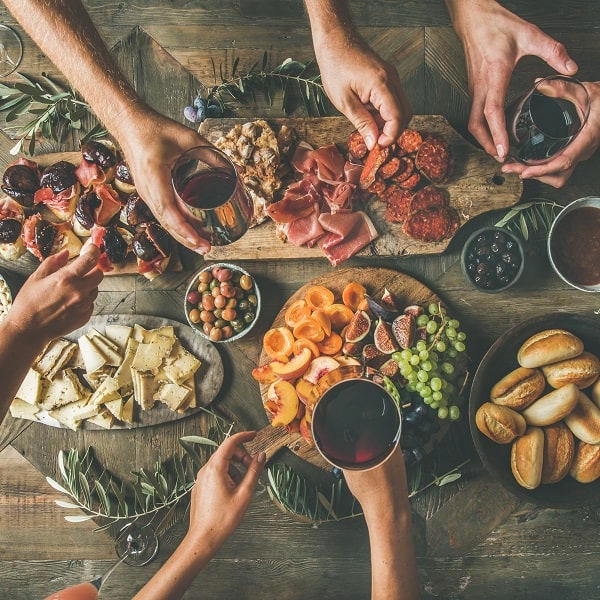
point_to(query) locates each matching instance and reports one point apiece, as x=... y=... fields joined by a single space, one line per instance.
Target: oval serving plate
x=208 y=378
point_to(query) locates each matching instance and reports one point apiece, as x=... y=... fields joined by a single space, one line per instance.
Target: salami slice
x=356 y=146
x=432 y=224
x=409 y=141
x=429 y=197
x=434 y=159
x=398 y=205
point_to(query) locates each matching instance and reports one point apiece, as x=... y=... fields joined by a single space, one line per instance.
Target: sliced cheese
x=172 y=395
x=103 y=419
x=92 y=359
x=115 y=407
x=164 y=331
x=127 y=411
x=138 y=333
x=54 y=357
x=94 y=334
x=65 y=388
x=182 y=367
x=108 y=390
x=149 y=356
x=123 y=374
x=192 y=400
x=23 y=410
x=119 y=335
x=31 y=388
x=112 y=357
x=144 y=388
x=72 y=414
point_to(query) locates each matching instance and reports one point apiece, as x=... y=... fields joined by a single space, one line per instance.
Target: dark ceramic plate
x=500 y=359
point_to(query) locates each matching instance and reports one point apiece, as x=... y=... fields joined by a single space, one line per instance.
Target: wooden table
x=474 y=540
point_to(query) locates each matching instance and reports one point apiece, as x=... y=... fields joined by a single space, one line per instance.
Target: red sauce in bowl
x=576 y=246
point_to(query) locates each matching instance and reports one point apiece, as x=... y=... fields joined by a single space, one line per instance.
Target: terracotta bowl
x=500 y=359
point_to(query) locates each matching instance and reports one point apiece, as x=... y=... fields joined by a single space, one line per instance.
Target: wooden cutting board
x=405 y=289
x=477 y=185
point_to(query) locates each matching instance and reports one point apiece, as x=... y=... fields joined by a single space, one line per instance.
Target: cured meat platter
x=405 y=289
x=475 y=186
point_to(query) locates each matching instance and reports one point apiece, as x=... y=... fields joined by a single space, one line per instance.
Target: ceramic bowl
x=500 y=359
x=587 y=250
x=238 y=306
x=493 y=259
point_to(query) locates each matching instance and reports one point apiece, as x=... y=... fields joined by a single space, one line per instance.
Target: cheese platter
x=476 y=185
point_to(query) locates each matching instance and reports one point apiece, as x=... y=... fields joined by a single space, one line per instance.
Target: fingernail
x=500 y=152
x=261 y=457
x=369 y=141
x=570 y=66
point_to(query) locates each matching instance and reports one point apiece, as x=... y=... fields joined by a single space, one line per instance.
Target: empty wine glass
x=135 y=545
x=11 y=50
x=546 y=120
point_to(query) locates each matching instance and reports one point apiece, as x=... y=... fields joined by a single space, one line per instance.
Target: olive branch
x=289 y=78
x=534 y=217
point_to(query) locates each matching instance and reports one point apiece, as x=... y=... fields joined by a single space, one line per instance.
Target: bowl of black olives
x=222 y=302
x=493 y=259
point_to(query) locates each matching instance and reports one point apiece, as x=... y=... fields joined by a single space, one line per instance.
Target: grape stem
x=436 y=479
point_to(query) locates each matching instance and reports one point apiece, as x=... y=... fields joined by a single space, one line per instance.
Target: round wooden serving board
x=405 y=289
x=477 y=185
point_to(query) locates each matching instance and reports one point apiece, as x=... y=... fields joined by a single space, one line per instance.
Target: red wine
x=208 y=190
x=356 y=424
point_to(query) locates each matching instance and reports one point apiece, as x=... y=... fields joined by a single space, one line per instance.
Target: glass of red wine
x=543 y=122
x=356 y=423
x=208 y=188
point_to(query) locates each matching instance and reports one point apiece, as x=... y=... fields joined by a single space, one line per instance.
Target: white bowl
x=589 y=201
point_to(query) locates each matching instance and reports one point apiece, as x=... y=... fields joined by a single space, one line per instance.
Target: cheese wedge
x=115 y=407
x=172 y=395
x=31 y=388
x=103 y=419
x=149 y=356
x=92 y=359
x=127 y=411
x=138 y=333
x=54 y=357
x=106 y=349
x=144 y=388
x=119 y=335
x=108 y=390
x=123 y=374
x=182 y=367
x=72 y=414
x=164 y=331
x=23 y=410
x=65 y=388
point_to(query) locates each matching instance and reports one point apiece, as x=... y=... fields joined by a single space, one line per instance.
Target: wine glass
x=11 y=50
x=135 y=545
x=545 y=121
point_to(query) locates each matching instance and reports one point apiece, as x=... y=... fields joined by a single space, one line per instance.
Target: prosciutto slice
x=305 y=231
x=89 y=173
x=348 y=234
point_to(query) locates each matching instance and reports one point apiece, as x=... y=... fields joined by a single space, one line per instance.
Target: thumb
x=52 y=263
x=554 y=53
x=365 y=123
x=86 y=261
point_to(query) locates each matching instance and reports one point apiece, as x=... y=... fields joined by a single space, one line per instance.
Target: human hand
x=557 y=171
x=366 y=89
x=57 y=297
x=222 y=494
x=494 y=40
x=151 y=144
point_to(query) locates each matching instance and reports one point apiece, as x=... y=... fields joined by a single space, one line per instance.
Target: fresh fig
x=389 y=367
x=352 y=348
x=404 y=329
x=379 y=310
x=414 y=309
x=373 y=357
x=388 y=301
x=359 y=327
x=384 y=337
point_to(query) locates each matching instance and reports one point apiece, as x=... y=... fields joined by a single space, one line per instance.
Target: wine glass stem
x=99 y=581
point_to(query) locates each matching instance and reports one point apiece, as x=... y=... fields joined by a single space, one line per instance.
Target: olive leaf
x=530 y=219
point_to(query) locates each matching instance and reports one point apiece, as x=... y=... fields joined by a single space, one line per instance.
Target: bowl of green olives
x=222 y=302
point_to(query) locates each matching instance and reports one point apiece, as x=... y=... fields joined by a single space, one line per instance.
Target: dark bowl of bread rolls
x=534 y=410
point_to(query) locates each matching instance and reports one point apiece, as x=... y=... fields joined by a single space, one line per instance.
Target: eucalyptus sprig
x=55 y=111
x=289 y=77
x=152 y=494
x=532 y=217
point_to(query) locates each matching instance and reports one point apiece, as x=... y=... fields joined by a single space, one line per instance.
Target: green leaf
x=78 y=518
x=448 y=479
x=57 y=486
x=85 y=490
x=104 y=499
x=196 y=439
x=64 y=504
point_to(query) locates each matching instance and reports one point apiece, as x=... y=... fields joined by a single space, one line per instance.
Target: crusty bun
x=595 y=393
x=583 y=370
x=68 y=240
x=12 y=251
x=526 y=458
x=553 y=406
x=547 y=347
x=519 y=388
x=559 y=449
x=585 y=467
x=499 y=423
x=584 y=420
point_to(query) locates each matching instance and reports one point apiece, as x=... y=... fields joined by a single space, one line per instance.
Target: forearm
x=17 y=353
x=330 y=23
x=178 y=573
x=459 y=10
x=65 y=33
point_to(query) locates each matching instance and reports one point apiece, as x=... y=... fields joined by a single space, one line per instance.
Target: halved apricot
x=331 y=345
x=301 y=343
x=318 y=296
x=320 y=316
x=278 y=342
x=309 y=329
x=339 y=315
x=296 y=312
x=353 y=293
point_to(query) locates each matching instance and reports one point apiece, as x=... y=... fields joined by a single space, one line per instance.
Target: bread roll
x=584 y=420
x=499 y=423
x=519 y=388
x=527 y=457
x=553 y=406
x=559 y=449
x=548 y=346
x=583 y=370
x=585 y=467
x=595 y=393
